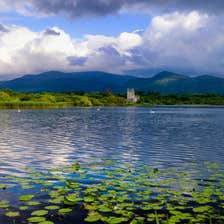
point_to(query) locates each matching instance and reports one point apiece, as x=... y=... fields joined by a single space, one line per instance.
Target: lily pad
x=36 y=219
x=23 y=208
x=12 y=214
x=65 y=210
x=52 y=207
x=27 y=197
x=39 y=213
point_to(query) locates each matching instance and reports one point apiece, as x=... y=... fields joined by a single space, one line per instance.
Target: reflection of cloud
x=45 y=139
x=50 y=138
x=128 y=135
x=21 y=147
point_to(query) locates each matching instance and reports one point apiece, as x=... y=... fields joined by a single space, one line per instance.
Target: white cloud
x=177 y=41
x=185 y=41
x=129 y=40
x=24 y=51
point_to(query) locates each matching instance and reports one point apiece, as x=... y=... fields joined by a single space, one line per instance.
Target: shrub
x=4 y=96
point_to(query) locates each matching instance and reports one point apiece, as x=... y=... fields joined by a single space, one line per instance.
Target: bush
x=96 y=102
x=82 y=101
x=46 y=97
x=4 y=96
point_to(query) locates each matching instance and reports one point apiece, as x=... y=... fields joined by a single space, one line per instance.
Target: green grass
x=33 y=105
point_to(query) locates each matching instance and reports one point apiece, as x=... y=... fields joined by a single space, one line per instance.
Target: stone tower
x=131 y=97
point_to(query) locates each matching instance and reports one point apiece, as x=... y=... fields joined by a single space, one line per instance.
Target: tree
x=82 y=101
x=46 y=97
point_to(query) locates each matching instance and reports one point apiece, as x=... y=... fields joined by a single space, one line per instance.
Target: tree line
x=8 y=98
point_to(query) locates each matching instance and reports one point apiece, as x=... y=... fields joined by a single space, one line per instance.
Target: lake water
x=161 y=136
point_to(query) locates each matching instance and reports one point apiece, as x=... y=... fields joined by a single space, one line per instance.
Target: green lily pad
x=2 y=186
x=46 y=222
x=36 y=219
x=4 y=204
x=12 y=214
x=114 y=220
x=23 y=208
x=33 y=203
x=76 y=166
x=27 y=197
x=65 y=210
x=39 y=213
x=89 y=199
x=52 y=207
x=93 y=217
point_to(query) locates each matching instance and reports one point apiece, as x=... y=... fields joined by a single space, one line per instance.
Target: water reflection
x=169 y=136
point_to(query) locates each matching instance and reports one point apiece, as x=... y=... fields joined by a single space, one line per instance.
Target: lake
x=160 y=137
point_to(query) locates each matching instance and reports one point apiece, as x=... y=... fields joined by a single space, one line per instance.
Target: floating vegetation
x=4 y=204
x=12 y=214
x=37 y=219
x=116 y=192
x=39 y=213
x=26 y=197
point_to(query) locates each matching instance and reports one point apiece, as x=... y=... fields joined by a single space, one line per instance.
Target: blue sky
x=119 y=36
x=111 y=25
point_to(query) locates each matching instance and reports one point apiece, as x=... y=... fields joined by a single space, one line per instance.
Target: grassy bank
x=32 y=105
x=14 y=100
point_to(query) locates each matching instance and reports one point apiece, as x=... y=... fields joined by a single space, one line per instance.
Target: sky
x=117 y=36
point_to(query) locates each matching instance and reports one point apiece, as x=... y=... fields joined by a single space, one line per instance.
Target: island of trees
x=10 y=99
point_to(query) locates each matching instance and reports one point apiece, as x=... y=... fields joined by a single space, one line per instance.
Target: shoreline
x=64 y=106
x=14 y=100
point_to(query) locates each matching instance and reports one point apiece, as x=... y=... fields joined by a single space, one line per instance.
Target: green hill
x=93 y=81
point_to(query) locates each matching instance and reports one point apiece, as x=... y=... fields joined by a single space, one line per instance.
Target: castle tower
x=131 y=97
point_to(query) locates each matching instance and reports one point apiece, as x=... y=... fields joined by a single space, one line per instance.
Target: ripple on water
x=49 y=138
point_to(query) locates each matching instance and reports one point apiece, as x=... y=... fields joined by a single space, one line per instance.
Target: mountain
x=65 y=82
x=94 y=81
x=172 y=83
x=164 y=82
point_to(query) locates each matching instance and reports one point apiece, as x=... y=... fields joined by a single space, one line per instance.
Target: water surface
x=161 y=136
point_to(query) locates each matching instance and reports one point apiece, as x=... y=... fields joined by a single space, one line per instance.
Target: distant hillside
x=65 y=82
x=164 y=82
x=168 y=82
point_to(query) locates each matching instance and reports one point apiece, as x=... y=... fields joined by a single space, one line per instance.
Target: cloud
x=50 y=31
x=34 y=52
x=178 y=41
x=185 y=42
x=3 y=29
x=77 y=8
x=77 y=61
x=96 y=8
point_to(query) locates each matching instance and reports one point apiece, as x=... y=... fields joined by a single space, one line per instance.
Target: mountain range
x=94 y=81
